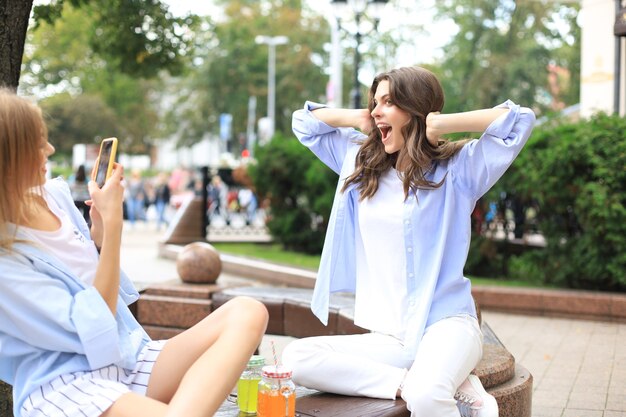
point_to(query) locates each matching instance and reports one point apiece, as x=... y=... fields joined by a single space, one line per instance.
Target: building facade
x=603 y=56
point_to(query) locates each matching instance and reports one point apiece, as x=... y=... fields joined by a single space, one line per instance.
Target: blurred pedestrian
x=248 y=203
x=136 y=197
x=218 y=194
x=162 y=197
x=80 y=192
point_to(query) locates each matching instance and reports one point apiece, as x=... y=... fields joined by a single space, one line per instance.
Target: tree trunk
x=14 y=16
x=6 y=400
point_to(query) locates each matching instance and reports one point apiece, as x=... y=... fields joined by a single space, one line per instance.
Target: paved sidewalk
x=579 y=367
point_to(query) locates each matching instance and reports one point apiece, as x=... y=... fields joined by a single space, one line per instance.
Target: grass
x=273 y=252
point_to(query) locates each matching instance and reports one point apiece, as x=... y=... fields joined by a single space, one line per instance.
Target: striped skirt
x=89 y=394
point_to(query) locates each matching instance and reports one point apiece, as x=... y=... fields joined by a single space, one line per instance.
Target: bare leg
x=135 y=405
x=198 y=368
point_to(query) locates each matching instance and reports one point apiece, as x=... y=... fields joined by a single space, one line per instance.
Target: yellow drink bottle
x=248 y=385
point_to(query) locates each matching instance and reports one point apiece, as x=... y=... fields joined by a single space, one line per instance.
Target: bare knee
x=248 y=313
x=134 y=405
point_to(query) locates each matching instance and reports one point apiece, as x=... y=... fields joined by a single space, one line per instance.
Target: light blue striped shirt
x=437 y=226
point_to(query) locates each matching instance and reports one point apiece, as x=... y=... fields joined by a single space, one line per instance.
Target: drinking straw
x=274 y=353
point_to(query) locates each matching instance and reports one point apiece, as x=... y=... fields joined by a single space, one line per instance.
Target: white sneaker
x=473 y=401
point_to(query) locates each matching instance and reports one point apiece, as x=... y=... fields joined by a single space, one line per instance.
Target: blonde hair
x=418 y=92
x=22 y=130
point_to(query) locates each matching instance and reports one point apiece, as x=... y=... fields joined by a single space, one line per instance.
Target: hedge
x=574 y=174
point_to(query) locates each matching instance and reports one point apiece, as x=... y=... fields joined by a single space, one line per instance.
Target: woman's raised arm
x=438 y=124
x=357 y=118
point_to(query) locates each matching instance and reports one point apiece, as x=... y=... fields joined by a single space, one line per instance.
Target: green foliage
x=486 y=257
x=300 y=189
x=504 y=49
x=234 y=68
x=81 y=119
x=139 y=38
x=528 y=267
x=270 y=252
x=64 y=171
x=576 y=175
x=60 y=58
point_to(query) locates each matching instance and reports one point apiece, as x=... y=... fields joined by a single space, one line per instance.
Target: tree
x=82 y=119
x=503 y=49
x=141 y=38
x=234 y=68
x=59 y=58
x=138 y=37
x=12 y=38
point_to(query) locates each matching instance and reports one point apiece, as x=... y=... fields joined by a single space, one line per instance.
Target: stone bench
x=167 y=309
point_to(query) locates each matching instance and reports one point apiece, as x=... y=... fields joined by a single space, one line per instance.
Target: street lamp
x=271 y=42
x=374 y=9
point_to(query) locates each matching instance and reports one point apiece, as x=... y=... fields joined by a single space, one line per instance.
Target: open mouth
x=385 y=132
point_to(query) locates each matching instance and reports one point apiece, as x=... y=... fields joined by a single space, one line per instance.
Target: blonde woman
x=398 y=237
x=69 y=345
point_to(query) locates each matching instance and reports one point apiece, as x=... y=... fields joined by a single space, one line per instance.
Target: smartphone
x=104 y=163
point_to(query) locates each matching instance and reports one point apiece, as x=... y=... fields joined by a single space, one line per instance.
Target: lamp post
x=619 y=30
x=271 y=42
x=362 y=10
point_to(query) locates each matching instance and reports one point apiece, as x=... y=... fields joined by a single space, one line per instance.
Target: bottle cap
x=256 y=360
x=279 y=371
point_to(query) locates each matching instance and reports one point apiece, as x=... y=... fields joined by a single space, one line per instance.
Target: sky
x=425 y=49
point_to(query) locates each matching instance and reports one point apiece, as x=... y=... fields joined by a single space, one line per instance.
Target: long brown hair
x=22 y=130
x=418 y=92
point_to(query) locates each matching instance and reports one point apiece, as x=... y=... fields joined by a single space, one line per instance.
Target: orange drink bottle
x=277 y=393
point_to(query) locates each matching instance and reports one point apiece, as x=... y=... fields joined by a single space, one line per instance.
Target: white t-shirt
x=381 y=290
x=68 y=244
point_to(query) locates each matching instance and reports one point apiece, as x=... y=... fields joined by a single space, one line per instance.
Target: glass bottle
x=248 y=384
x=277 y=393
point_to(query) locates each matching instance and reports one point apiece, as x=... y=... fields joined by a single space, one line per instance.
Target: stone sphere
x=199 y=262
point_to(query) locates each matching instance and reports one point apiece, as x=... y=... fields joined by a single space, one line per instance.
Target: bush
x=486 y=258
x=300 y=189
x=526 y=267
x=575 y=174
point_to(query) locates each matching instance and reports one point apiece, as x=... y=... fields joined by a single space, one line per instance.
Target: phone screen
x=103 y=162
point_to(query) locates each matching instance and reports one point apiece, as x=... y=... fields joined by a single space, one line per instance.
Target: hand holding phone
x=105 y=161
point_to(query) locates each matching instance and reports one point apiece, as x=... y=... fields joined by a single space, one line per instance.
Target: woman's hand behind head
x=433 y=134
x=364 y=120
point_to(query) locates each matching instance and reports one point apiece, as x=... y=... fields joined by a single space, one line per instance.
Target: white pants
x=375 y=365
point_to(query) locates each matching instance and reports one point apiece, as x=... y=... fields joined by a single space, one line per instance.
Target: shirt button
x=410 y=274
x=409 y=250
